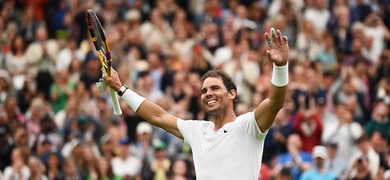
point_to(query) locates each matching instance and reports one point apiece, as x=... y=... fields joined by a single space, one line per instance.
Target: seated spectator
x=104 y=170
x=361 y=167
x=70 y=170
x=160 y=166
x=142 y=147
x=366 y=157
x=296 y=160
x=380 y=120
x=319 y=171
x=344 y=132
x=37 y=168
x=309 y=127
x=335 y=162
x=126 y=165
x=275 y=141
x=180 y=169
x=53 y=164
x=380 y=146
x=18 y=168
x=265 y=172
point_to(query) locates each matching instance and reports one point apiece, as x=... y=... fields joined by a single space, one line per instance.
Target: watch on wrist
x=122 y=90
x=297 y=159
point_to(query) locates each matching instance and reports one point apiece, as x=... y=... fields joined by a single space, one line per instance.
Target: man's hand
x=113 y=81
x=279 y=49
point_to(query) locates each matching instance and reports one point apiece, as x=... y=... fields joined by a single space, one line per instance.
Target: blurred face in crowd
x=362 y=164
x=294 y=143
x=17 y=156
x=319 y=162
x=378 y=142
x=381 y=112
x=3 y=116
x=179 y=167
x=103 y=165
x=53 y=160
x=35 y=166
x=345 y=115
x=41 y=34
x=20 y=137
x=124 y=150
x=70 y=167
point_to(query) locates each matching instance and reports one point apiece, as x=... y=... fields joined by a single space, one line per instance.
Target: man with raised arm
x=229 y=146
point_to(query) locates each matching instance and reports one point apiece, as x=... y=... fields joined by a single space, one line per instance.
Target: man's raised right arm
x=146 y=109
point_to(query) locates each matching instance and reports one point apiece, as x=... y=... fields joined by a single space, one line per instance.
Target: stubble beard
x=217 y=113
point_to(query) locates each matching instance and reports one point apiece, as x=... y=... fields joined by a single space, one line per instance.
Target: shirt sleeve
x=190 y=128
x=248 y=124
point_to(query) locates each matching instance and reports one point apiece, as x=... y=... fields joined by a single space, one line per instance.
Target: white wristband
x=132 y=99
x=280 y=75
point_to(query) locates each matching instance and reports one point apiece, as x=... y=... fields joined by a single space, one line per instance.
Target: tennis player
x=229 y=146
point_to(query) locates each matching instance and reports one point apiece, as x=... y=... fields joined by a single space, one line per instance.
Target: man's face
x=319 y=162
x=215 y=96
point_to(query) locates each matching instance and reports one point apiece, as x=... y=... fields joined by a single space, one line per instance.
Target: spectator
x=27 y=93
x=335 y=162
x=318 y=15
x=88 y=166
x=295 y=160
x=379 y=144
x=365 y=154
x=376 y=28
x=61 y=90
x=67 y=54
x=70 y=170
x=92 y=70
x=126 y=165
x=160 y=166
x=379 y=121
x=41 y=58
x=37 y=168
x=308 y=125
x=344 y=131
x=243 y=71
x=180 y=168
x=53 y=164
x=145 y=86
x=319 y=171
x=104 y=170
x=5 y=85
x=142 y=147
x=18 y=169
x=326 y=57
x=276 y=140
x=361 y=167
x=16 y=61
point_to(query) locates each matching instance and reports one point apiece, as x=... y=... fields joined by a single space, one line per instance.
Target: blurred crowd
x=56 y=124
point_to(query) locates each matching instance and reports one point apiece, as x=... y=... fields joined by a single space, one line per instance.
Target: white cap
x=144 y=127
x=133 y=14
x=320 y=151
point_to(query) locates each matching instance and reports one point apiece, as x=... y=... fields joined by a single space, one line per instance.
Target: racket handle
x=115 y=102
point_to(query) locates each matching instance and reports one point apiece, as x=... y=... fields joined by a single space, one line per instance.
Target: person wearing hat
x=160 y=166
x=142 y=147
x=318 y=171
x=126 y=165
x=335 y=162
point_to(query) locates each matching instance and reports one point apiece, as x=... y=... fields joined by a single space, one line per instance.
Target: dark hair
x=226 y=79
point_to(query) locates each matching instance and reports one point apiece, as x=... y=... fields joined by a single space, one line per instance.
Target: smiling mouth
x=209 y=102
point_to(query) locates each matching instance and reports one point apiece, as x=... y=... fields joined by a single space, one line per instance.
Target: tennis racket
x=103 y=51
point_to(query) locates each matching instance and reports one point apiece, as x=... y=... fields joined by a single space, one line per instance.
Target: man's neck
x=222 y=118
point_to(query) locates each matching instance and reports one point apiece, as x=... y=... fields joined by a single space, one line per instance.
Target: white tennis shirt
x=233 y=152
